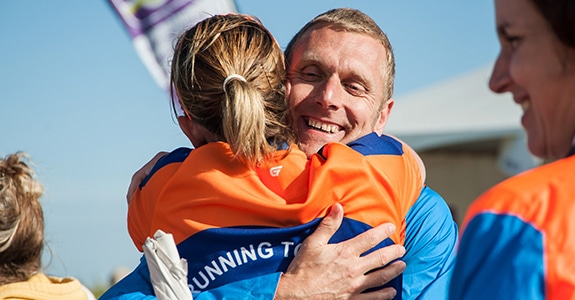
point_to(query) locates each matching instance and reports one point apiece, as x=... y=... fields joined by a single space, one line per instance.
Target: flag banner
x=154 y=26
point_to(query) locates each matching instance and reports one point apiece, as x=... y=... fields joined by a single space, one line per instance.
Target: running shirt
x=239 y=228
x=518 y=240
x=231 y=221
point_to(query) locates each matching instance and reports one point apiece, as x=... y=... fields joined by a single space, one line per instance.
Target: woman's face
x=540 y=73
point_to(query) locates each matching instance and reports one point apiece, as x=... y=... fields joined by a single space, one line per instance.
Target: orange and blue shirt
x=519 y=239
x=239 y=228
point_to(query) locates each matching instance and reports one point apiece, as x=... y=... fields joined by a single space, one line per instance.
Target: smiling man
x=341 y=71
x=335 y=93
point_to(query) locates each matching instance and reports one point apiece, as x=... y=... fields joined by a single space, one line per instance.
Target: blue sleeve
x=430 y=241
x=499 y=257
x=137 y=285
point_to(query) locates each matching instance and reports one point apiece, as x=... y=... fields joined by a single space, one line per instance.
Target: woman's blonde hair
x=21 y=220
x=228 y=74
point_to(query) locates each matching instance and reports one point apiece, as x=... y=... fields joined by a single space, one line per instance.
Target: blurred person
x=518 y=237
x=240 y=204
x=22 y=238
x=341 y=70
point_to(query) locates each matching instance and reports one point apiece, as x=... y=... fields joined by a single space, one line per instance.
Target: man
x=340 y=82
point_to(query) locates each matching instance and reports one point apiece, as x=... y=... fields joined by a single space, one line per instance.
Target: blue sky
x=76 y=97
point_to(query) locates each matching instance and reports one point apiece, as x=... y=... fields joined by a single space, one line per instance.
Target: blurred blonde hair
x=250 y=114
x=21 y=220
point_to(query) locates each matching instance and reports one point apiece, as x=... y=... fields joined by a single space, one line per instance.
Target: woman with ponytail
x=240 y=204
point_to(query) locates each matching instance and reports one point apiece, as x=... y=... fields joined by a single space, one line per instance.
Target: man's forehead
x=328 y=36
x=324 y=49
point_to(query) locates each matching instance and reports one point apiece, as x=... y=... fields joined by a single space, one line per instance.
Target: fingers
x=327 y=228
x=369 y=239
x=137 y=178
x=384 y=275
x=372 y=263
x=141 y=174
x=339 y=269
x=383 y=294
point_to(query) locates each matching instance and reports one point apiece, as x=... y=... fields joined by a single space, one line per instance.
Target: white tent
x=460 y=111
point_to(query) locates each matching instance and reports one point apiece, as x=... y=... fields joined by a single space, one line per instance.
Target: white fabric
x=168 y=272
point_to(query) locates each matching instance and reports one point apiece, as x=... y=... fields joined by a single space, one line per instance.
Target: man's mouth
x=317 y=125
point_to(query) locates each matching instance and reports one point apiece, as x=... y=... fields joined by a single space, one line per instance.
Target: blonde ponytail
x=244 y=122
x=228 y=74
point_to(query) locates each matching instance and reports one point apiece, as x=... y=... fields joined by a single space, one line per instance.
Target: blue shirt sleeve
x=430 y=241
x=499 y=257
x=137 y=286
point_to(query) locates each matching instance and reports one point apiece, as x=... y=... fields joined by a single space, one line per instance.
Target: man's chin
x=311 y=146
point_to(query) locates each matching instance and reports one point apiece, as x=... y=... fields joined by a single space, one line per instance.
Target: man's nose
x=331 y=94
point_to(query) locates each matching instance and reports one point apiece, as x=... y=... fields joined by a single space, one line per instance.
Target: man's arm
x=319 y=270
x=431 y=238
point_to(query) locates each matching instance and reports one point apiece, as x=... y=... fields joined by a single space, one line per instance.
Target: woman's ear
x=196 y=133
x=185 y=126
x=191 y=131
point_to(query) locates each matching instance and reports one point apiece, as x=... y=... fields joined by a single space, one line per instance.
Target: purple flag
x=154 y=26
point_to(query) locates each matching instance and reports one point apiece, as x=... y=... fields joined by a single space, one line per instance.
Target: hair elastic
x=230 y=77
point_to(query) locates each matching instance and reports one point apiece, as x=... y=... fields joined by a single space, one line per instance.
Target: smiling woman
x=539 y=70
x=518 y=237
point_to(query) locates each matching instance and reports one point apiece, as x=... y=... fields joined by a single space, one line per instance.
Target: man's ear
x=288 y=89
x=383 y=116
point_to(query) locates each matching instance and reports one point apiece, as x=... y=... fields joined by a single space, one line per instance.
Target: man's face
x=335 y=87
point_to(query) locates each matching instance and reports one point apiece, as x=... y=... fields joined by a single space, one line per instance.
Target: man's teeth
x=322 y=126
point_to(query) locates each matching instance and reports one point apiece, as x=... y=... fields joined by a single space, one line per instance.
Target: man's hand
x=337 y=271
x=141 y=174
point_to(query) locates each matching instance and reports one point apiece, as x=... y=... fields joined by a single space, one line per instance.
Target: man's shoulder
x=171 y=159
x=374 y=144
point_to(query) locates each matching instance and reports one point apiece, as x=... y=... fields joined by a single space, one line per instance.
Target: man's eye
x=355 y=88
x=310 y=73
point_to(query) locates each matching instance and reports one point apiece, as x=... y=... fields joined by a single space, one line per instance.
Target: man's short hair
x=350 y=20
